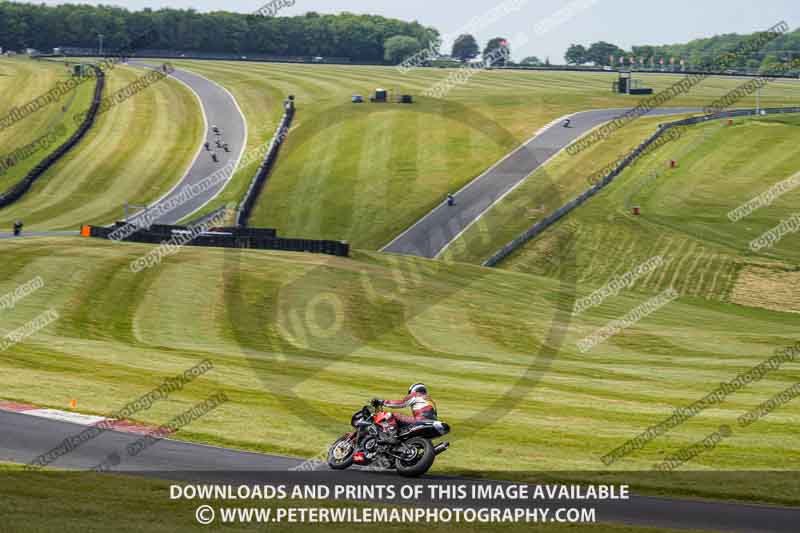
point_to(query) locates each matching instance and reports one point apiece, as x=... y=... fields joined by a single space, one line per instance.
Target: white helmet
x=418 y=387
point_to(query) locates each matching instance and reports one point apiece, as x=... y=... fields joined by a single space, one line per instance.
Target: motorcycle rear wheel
x=421 y=462
x=340 y=454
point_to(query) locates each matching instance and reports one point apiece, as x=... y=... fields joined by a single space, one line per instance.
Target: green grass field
x=684 y=218
x=379 y=324
x=21 y=81
x=93 y=502
x=134 y=152
x=547 y=189
x=373 y=170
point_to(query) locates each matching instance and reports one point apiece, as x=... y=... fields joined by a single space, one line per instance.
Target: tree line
x=358 y=37
x=699 y=53
x=696 y=54
x=368 y=38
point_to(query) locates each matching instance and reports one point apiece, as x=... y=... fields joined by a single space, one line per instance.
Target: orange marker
x=73 y=404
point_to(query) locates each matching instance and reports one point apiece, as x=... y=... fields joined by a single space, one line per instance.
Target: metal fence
x=257 y=184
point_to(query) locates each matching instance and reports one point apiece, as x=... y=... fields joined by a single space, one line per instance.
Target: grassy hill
x=366 y=173
x=684 y=218
x=21 y=81
x=301 y=341
x=134 y=153
x=547 y=189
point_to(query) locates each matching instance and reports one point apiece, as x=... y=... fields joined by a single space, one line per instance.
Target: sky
x=543 y=28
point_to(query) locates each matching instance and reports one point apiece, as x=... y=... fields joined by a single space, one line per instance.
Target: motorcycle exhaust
x=442 y=446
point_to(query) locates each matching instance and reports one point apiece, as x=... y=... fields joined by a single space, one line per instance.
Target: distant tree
x=645 y=52
x=531 y=61
x=576 y=55
x=770 y=63
x=599 y=53
x=547 y=61
x=753 y=64
x=498 y=51
x=400 y=47
x=465 y=48
x=724 y=52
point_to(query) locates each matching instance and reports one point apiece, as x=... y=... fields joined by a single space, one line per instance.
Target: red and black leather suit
x=422 y=406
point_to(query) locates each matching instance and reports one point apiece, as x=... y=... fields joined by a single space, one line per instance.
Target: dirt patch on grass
x=768 y=287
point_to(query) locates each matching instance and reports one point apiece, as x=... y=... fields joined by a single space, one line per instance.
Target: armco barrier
x=257 y=184
x=252 y=238
x=538 y=228
x=16 y=191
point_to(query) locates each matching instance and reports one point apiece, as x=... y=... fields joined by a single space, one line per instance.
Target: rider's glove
x=376 y=402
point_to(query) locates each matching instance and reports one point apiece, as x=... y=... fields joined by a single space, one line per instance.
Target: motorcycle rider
x=418 y=399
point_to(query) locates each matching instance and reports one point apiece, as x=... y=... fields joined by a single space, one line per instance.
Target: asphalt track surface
x=23 y=437
x=220 y=109
x=431 y=235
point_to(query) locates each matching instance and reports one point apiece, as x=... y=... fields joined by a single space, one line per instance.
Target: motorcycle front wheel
x=418 y=458
x=340 y=455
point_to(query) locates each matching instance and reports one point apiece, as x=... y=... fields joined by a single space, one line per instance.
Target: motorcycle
x=380 y=441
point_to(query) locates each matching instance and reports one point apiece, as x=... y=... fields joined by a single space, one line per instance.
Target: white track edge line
x=205 y=136
x=199 y=149
x=241 y=152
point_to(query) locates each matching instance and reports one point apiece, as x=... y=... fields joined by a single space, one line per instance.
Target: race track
x=429 y=236
x=220 y=109
x=23 y=437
